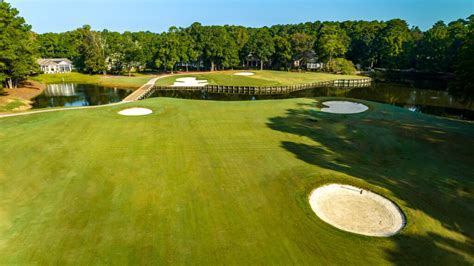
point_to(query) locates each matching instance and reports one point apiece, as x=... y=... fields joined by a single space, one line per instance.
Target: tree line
x=341 y=46
x=367 y=44
x=390 y=44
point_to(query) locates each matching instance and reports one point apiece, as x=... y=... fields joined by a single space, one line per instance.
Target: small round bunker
x=244 y=74
x=343 y=107
x=356 y=210
x=135 y=111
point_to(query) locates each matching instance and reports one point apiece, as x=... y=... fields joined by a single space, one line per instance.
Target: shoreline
x=119 y=82
x=20 y=98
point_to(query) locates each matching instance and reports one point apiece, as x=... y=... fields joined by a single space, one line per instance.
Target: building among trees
x=314 y=64
x=55 y=65
x=311 y=64
x=251 y=61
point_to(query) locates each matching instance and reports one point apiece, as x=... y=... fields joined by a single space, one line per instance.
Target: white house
x=55 y=65
x=314 y=65
x=311 y=64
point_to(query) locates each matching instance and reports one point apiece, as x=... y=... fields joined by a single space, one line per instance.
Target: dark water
x=434 y=102
x=70 y=94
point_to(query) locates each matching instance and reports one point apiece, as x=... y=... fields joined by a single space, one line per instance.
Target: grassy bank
x=202 y=182
x=12 y=104
x=260 y=79
x=105 y=80
x=17 y=100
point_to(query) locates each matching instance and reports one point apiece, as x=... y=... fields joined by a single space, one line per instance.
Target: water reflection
x=70 y=94
x=66 y=89
x=398 y=94
x=433 y=102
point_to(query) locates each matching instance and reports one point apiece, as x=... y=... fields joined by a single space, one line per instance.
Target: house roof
x=251 y=56
x=314 y=60
x=52 y=61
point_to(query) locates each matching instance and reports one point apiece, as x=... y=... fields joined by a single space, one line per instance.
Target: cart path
x=143 y=90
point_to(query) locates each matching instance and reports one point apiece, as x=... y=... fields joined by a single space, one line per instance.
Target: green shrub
x=342 y=66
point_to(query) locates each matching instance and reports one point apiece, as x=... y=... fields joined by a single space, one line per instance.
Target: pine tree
x=17 y=49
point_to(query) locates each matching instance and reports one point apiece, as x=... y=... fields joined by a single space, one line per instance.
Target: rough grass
x=203 y=182
x=18 y=99
x=260 y=79
x=105 y=80
x=12 y=104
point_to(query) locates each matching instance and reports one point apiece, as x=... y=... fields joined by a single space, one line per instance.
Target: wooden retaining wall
x=350 y=83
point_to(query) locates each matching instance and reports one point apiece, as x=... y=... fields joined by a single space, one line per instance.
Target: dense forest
x=341 y=46
x=368 y=44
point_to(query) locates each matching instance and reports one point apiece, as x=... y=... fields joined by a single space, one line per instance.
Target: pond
x=434 y=102
x=72 y=94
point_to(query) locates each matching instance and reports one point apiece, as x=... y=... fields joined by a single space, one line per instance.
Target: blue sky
x=159 y=15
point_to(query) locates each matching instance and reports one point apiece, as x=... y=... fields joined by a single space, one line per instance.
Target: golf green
x=204 y=182
x=259 y=79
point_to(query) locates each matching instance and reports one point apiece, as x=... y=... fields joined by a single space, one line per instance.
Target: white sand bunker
x=189 y=82
x=135 y=111
x=244 y=74
x=344 y=107
x=355 y=210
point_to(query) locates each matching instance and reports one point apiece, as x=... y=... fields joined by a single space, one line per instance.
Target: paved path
x=137 y=93
x=59 y=109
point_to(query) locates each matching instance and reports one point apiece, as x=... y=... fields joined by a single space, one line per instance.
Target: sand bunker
x=343 y=107
x=355 y=210
x=189 y=82
x=135 y=111
x=244 y=74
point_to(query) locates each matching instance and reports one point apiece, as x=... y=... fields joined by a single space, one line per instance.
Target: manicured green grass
x=260 y=79
x=105 y=80
x=204 y=182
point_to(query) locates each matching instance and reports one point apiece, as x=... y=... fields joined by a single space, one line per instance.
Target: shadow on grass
x=426 y=162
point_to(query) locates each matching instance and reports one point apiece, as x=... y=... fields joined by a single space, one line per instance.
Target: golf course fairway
x=204 y=182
